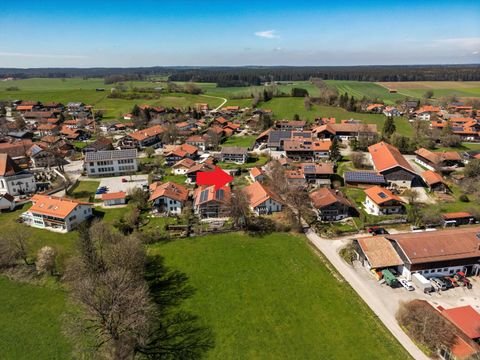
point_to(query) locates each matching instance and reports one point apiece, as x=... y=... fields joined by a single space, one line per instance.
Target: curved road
x=216 y=97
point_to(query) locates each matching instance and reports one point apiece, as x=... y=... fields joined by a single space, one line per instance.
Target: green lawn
x=251 y=162
x=359 y=89
x=30 y=319
x=240 y=141
x=272 y=298
x=84 y=190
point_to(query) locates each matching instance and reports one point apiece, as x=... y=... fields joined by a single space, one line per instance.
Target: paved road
x=330 y=249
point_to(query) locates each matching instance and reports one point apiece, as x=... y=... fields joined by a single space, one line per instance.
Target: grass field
x=439 y=88
x=359 y=89
x=240 y=141
x=271 y=298
x=30 y=319
x=84 y=190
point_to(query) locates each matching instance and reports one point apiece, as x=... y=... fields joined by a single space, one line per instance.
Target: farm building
x=434 y=181
x=364 y=178
x=116 y=198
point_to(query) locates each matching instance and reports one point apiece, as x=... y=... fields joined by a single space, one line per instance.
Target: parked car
x=447 y=284
x=407 y=284
x=124 y=180
x=438 y=284
x=375 y=230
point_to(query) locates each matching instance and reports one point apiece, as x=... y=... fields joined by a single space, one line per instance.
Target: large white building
x=111 y=162
x=56 y=213
x=13 y=180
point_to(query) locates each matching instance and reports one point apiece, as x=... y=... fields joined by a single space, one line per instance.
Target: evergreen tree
x=335 y=154
x=389 y=128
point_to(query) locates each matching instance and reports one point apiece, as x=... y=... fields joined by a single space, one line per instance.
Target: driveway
x=383 y=306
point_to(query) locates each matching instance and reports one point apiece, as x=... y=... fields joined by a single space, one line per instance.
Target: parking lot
x=392 y=297
x=115 y=184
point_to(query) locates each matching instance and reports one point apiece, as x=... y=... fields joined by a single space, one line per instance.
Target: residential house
x=307 y=150
x=194 y=170
x=198 y=141
x=389 y=162
x=380 y=201
x=47 y=129
x=426 y=112
x=256 y=174
x=318 y=174
x=262 y=200
x=14 y=180
x=101 y=144
x=180 y=152
x=56 y=213
x=294 y=125
x=144 y=138
x=114 y=198
x=445 y=161
x=234 y=154
x=434 y=181
x=295 y=178
x=17 y=150
x=169 y=197
x=182 y=166
x=345 y=131
x=41 y=157
x=212 y=203
x=392 y=111
x=75 y=107
x=375 y=108
x=331 y=205
x=111 y=162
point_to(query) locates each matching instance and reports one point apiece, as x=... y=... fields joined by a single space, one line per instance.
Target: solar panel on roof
x=364 y=177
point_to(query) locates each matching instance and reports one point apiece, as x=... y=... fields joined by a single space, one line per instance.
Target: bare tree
x=239 y=208
x=425 y=325
x=46 y=260
x=358 y=159
x=14 y=246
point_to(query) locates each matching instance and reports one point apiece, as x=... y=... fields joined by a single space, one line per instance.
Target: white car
x=407 y=284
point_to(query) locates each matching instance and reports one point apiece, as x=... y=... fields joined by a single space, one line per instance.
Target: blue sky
x=149 y=33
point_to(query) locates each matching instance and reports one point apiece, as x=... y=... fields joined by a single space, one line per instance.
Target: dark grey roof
x=365 y=177
x=276 y=136
x=111 y=155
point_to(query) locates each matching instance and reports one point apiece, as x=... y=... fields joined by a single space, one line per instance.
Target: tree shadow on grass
x=177 y=334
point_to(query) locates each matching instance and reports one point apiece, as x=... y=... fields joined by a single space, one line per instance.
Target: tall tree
x=389 y=128
x=335 y=154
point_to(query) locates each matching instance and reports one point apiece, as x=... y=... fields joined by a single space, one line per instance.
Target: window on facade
x=451 y=271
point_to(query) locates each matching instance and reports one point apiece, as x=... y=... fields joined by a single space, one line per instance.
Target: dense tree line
x=245 y=76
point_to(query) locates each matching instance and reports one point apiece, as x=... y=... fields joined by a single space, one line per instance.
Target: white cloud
x=267 y=34
x=475 y=53
x=48 y=56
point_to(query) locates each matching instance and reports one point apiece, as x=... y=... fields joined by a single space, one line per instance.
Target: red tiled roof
x=325 y=197
x=141 y=135
x=114 y=195
x=258 y=193
x=456 y=215
x=170 y=190
x=386 y=156
x=466 y=318
x=381 y=195
x=53 y=205
x=431 y=177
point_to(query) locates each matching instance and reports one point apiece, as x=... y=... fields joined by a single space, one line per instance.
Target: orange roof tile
x=381 y=195
x=466 y=318
x=386 y=156
x=141 y=135
x=170 y=190
x=54 y=206
x=324 y=197
x=431 y=177
x=258 y=193
x=114 y=195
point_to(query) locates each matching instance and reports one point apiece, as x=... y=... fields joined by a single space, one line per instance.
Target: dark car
x=375 y=230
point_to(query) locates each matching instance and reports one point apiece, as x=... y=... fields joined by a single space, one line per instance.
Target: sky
x=235 y=33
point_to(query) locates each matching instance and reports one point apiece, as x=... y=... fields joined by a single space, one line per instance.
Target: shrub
x=464 y=198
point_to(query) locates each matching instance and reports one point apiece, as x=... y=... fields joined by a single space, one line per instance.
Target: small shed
x=116 y=198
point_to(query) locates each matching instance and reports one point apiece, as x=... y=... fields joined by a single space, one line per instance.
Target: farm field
x=359 y=89
x=271 y=298
x=30 y=319
x=439 y=88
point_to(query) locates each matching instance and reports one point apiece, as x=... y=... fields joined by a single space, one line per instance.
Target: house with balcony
x=13 y=180
x=56 y=214
x=380 y=201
